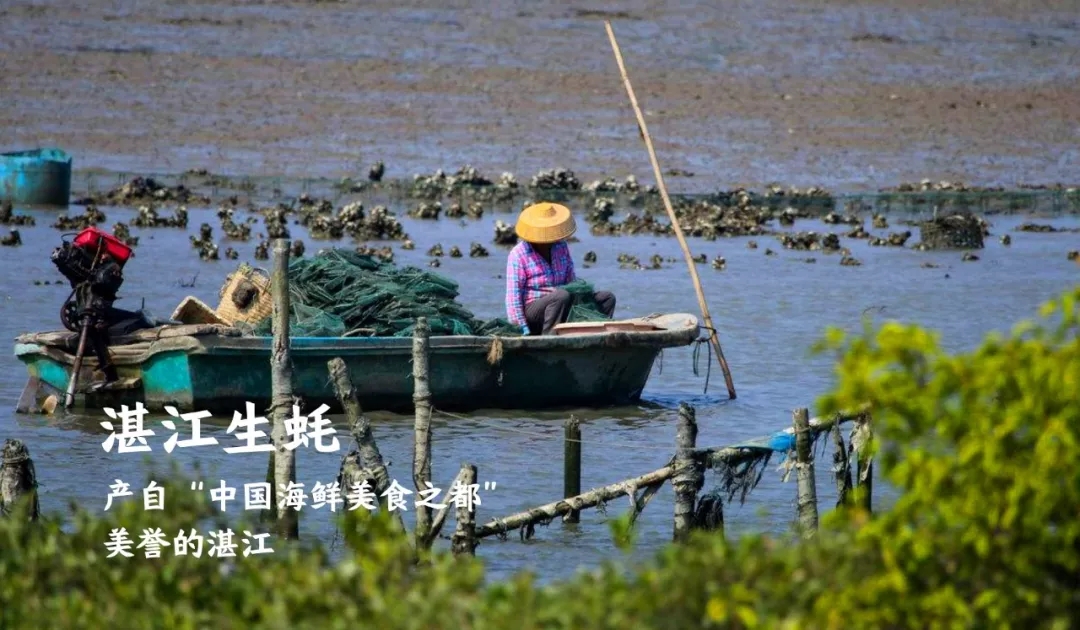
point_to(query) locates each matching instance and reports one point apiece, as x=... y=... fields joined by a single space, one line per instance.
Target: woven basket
x=252 y=283
x=194 y=311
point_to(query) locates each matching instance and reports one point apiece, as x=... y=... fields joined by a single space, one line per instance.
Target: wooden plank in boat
x=61 y=339
x=592 y=328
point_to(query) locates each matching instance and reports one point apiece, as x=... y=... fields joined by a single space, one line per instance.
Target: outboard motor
x=93 y=263
x=80 y=259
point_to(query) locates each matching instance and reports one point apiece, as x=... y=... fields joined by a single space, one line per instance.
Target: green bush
x=983 y=448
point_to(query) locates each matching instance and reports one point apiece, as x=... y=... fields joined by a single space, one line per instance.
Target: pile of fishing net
x=341 y=293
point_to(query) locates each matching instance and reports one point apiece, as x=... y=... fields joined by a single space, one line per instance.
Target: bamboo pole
x=422 y=425
x=555 y=509
x=807 y=497
x=367 y=457
x=463 y=542
x=714 y=339
x=281 y=387
x=688 y=478
x=69 y=394
x=572 y=465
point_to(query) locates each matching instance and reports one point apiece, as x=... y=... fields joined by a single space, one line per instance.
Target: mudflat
x=853 y=96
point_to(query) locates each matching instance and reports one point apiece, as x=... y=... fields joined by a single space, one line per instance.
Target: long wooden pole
x=463 y=541
x=281 y=388
x=807 y=484
x=422 y=425
x=69 y=395
x=367 y=456
x=585 y=500
x=714 y=339
x=572 y=465
x=688 y=478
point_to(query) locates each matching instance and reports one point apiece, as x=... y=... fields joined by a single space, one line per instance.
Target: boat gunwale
x=209 y=342
x=666 y=337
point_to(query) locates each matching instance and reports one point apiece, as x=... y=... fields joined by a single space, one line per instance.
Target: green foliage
x=982 y=446
x=622 y=532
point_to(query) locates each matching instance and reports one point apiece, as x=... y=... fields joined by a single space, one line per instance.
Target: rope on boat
x=495 y=351
x=697 y=354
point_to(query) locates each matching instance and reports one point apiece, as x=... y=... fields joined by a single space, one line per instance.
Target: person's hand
x=525 y=329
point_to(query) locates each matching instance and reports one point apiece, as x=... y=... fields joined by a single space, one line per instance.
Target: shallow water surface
x=769 y=310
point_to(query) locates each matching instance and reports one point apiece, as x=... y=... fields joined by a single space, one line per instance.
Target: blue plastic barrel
x=37 y=177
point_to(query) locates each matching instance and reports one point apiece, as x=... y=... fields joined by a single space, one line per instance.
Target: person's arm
x=515 y=291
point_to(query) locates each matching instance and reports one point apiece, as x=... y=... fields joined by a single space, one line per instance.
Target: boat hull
x=220 y=373
x=38 y=177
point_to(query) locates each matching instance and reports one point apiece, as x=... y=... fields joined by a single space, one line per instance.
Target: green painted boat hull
x=221 y=372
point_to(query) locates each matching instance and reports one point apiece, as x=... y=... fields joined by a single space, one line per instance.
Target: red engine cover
x=91 y=237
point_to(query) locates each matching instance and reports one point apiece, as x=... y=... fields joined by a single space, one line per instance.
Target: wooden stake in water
x=842 y=467
x=442 y=513
x=572 y=465
x=714 y=340
x=422 y=425
x=807 y=497
x=463 y=542
x=281 y=399
x=688 y=477
x=18 y=481
x=861 y=438
x=367 y=457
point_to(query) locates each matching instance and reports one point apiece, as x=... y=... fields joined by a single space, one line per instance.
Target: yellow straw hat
x=545 y=222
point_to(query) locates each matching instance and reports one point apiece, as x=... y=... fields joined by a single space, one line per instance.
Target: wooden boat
x=36 y=177
x=217 y=368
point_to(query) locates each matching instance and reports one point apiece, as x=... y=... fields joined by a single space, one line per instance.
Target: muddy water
x=769 y=309
x=811 y=92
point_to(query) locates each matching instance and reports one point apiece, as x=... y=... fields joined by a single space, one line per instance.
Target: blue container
x=41 y=177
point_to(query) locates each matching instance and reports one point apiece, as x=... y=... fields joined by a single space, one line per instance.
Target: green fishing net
x=584 y=308
x=342 y=293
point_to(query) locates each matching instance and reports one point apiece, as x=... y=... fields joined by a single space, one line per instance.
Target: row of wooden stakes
x=365 y=463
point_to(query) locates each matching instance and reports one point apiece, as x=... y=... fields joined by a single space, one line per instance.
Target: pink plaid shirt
x=529 y=276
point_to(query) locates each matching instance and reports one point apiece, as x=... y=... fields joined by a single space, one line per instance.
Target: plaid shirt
x=529 y=276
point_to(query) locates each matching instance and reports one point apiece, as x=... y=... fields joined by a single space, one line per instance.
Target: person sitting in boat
x=538 y=265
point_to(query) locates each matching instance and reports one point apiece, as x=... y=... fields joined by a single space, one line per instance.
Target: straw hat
x=545 y=222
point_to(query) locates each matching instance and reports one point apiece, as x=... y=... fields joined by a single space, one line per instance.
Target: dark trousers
x=104 y=321
x=545 y=312
x=98 y=338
